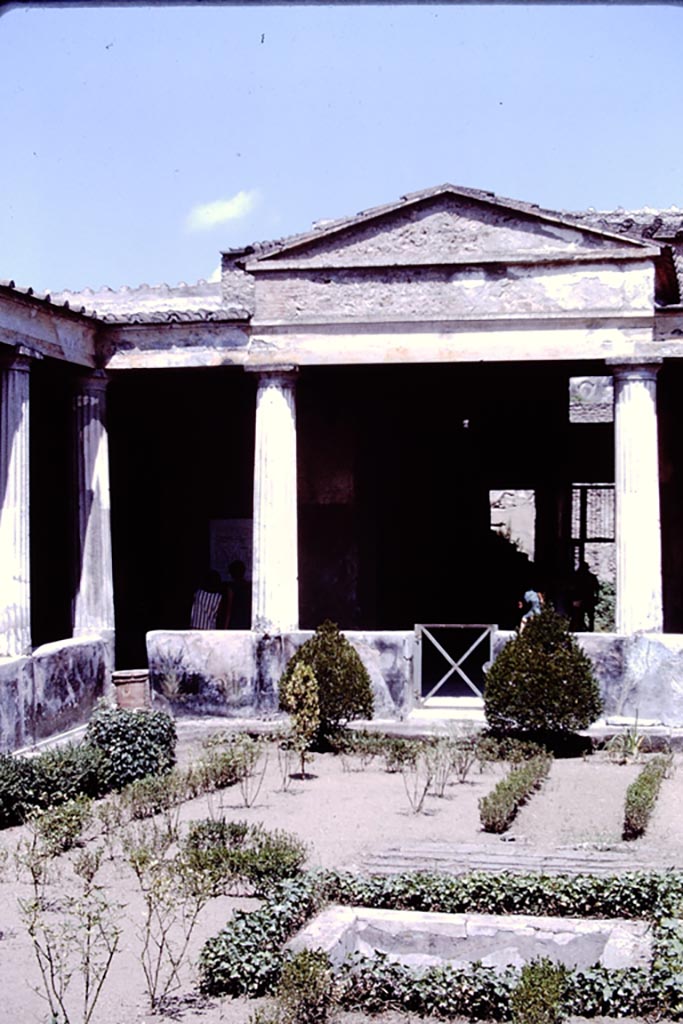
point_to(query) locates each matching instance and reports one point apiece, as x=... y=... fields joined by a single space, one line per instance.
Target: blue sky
x=138 y=143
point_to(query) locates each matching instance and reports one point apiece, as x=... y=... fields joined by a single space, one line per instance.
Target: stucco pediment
x=446 y=225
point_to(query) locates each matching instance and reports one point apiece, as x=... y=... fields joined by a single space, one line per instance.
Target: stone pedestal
x=636 y=468
x=93 y=604
x=132 y=689
x=275 y=568
x=15 y=563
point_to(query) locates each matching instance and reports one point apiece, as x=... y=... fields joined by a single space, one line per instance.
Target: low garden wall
x=235 y=673
x=641 y=674
x=52 y=690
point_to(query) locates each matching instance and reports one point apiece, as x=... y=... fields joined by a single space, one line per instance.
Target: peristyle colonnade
x=275 y=536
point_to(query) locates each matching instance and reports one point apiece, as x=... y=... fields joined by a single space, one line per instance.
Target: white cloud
x=215 y=276
x=205 y=216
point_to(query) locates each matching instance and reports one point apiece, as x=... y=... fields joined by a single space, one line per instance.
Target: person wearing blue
x=533 y=602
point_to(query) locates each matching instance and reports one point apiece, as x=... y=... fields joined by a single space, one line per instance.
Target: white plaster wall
x=453 y=292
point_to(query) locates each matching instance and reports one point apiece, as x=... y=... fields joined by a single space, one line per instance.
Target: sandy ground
x=342 y=816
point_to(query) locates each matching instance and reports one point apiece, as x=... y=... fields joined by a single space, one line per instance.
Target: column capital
x=92 y=383
x=284 y=376
x=634 y=369
x=19 y=358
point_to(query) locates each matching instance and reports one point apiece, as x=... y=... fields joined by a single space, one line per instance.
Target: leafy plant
x=80 y=940
x=60 y=828
x=305 y=993
x=498 y=809
x=627 y=745
x=50 y=778
x=247 y=956
x=299 y=697
x=232 y=852
x=156 y=794
x=66 y=773
x=133 y=744
x=605 y=610
x=641 y=795
x=538 y=997
x=398 y=752
x=542 y=681
x=344 y=688
x=17 y=788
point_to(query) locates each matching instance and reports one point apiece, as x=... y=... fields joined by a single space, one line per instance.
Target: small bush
x=61 y=828
x=133 y=743
x=305 y=992
x=68 y=772
x=217 y=769
x=46 y=780
x=299 y=697
x=506 y=748
x=542 y=681
x=155 y=794
x=17 y=788
x=357 y=749
x=344 y=689
x=539 y=995
x=497 y=810
x=641 y=795
x=398 y=753
x=233 y=851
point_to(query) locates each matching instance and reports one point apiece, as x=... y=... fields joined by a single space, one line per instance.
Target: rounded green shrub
x=133 y=743
x=542 y=681
x=344 y=688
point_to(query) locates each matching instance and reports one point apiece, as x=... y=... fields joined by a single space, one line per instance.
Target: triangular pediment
x=446 y=225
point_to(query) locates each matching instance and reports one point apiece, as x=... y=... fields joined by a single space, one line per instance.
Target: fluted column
x=93 y=603
x=275 y=568
x=636 y=468
x=15 y=559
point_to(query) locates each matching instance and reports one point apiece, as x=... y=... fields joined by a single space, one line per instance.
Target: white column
x=15 y=559
x=93 y=603
x=636 y=468
x=275 y=569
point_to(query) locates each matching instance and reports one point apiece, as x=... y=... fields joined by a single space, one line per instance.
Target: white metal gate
x=450 y=659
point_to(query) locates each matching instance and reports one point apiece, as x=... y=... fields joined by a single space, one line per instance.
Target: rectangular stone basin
x=423 y=940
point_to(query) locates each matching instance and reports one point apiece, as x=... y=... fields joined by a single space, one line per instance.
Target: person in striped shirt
x=206 y=603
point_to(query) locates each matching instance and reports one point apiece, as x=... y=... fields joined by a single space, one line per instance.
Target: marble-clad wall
x=51 y=691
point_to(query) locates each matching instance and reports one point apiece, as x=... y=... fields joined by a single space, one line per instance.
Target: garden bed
x=343 y=816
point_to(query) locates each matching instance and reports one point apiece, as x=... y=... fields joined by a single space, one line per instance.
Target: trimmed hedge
x=498 y=809
x=247 y=956
x=47 y=780
x=119 y=746
x=641 y=796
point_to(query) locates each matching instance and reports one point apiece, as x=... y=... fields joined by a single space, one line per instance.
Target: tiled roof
x=170 y=316
x=46 y=299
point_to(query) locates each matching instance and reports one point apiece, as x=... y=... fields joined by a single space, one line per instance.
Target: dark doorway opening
x=182 y=455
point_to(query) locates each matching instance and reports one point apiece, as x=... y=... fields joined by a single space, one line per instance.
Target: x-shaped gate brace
x=456 y=666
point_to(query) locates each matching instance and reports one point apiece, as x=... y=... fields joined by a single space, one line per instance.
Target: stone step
x=454 y=859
